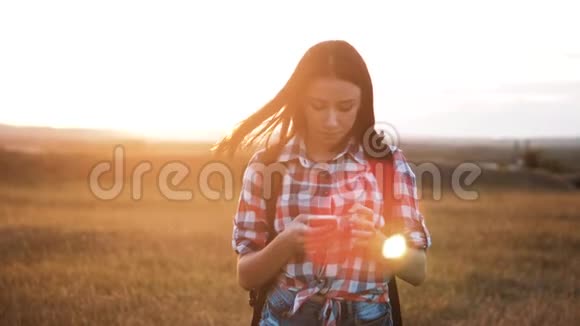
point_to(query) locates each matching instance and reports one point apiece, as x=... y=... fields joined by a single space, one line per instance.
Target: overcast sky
x=192 y=69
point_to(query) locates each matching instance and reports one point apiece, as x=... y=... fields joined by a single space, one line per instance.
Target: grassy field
x=67 y=258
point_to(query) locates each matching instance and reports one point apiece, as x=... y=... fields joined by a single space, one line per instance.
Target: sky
x=193 y=69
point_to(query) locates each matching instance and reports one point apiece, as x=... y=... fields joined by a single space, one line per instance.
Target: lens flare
x=394 y=247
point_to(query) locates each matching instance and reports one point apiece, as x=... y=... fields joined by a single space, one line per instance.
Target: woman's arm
x=258 y=261
x=414 y=268
x=406 y=219
x=256 y=268
x=411 y=267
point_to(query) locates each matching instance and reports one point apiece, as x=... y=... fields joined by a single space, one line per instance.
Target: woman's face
x=331 y=107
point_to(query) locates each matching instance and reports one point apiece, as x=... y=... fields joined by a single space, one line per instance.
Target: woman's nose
x=331 y=119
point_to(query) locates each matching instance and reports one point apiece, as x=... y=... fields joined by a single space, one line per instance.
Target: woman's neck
x=318 y=152
x=319 y=155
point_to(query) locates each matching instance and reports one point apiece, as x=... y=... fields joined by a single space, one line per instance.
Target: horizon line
x=115 y=133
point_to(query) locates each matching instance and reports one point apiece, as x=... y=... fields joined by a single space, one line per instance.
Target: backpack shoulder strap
x=384 y=171
x=271 y=206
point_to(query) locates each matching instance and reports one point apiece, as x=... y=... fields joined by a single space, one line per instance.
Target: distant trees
x=531 y=158
x=535 y=159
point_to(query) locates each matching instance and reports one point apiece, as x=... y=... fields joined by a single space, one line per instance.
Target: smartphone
x=323 y=220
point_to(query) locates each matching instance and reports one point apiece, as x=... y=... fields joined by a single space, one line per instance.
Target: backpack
x=257 y=297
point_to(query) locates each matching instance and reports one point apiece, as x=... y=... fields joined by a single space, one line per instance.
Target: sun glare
x=394 y=247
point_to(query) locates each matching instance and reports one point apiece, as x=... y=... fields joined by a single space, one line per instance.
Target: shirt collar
x=295 y=148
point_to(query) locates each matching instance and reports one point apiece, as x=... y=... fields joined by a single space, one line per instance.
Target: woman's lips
x=330 y=134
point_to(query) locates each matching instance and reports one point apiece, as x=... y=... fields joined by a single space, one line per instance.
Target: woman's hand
x=365 y=236
x=369 y=240
x=302 y=238
x=411 y=267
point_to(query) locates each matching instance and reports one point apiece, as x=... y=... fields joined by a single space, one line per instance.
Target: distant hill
x=41 y=139
x=46 y=139
x=19 y=168
x=8 y=132
x=444 y=150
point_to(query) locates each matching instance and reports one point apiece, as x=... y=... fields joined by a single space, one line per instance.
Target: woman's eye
x=345 y=108
x=317 y=106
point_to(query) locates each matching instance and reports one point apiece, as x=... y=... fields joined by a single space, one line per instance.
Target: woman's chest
x=326 y=190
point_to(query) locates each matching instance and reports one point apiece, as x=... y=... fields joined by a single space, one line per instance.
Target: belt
x=345 y=308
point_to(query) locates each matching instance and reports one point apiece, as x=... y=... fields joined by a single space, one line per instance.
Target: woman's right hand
x=303 y=238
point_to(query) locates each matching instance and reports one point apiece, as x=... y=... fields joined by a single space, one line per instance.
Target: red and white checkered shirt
x=329 y=188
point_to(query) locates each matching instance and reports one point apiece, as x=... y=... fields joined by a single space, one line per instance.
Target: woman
x=323 y=119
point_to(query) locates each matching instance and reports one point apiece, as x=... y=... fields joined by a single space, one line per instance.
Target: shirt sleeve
x=407 y=207
x=249 y=224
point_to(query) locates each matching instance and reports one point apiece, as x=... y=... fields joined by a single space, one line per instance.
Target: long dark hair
x=283 y=114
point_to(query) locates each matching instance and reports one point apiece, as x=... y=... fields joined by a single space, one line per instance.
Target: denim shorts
x=279 y=303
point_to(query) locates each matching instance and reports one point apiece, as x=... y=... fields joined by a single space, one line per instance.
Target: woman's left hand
x=365 y=236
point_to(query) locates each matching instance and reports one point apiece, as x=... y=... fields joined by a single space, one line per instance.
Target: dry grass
x=66 y=258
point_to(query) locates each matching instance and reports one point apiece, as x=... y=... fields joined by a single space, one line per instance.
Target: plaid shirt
x=329 y=188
